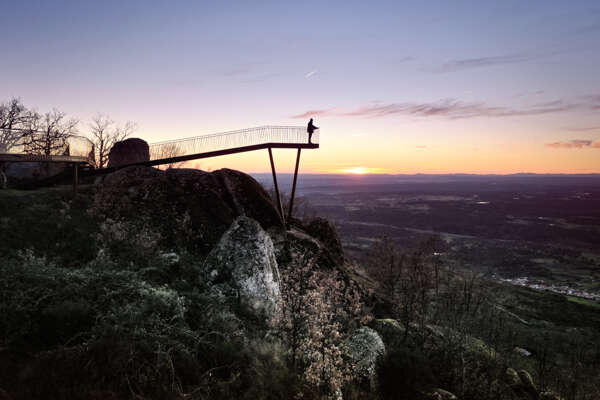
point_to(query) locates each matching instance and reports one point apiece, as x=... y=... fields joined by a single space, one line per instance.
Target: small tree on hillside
x=317 y=311
x=105 y=133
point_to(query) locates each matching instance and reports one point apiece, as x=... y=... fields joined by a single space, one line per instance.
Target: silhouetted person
x=310 y=129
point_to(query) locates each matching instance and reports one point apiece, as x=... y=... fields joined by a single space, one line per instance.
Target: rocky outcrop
x=364 y=347
x=523 y=387
x=323 y=230
x=441 y=394
x=190 y=207
x=390 y=330
x=128 y=151
x=243 y=266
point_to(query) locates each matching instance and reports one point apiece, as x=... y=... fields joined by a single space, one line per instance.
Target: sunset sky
x=397 y=87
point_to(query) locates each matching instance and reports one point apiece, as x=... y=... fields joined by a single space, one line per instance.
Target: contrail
x=311 y=73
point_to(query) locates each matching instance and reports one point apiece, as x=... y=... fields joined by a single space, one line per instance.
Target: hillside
x=184 y=284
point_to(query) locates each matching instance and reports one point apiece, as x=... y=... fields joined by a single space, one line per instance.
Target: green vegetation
x=112 y=307
x=95 y=307
x=579 y=300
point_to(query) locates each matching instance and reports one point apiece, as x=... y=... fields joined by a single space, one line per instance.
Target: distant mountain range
x=318 y=182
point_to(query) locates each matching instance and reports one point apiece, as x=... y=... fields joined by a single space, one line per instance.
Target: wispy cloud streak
x=584 y=129
x=455 y=109
x=479 y=62
x=314 y=113
x=574 y=144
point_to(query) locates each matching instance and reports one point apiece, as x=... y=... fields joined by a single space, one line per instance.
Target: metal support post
x=291 y=207
x=75 y=177
x=276 y=186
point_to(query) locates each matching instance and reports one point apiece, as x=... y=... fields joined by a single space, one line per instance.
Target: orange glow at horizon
x=359 y=170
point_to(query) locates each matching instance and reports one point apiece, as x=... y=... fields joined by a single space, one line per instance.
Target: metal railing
x=290 y=135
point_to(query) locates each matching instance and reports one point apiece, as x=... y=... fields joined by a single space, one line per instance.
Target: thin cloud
x=591 y=101
x=421 y=147
x=233 y=72
x=470 y=63
x=311 y=73
x=314 y=113
x=591 y=28
x=457 y=109
x=404 y=59
x=584 y=129
x=261 y=78
x=574 y=144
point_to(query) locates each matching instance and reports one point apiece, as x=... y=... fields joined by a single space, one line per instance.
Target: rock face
x=441 y=394
x=390 y=330
x=325 y=232
x=185 y=205
x=128 y=151
x=243 y=266
x=523 y=386
x=364 y=348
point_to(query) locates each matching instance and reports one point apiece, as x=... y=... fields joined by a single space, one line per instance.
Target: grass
x=584 y=302
x=51 y=221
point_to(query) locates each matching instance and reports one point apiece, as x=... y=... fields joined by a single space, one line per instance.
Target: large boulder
x=364 y=348
x=390 y=330
x=128 y=151
x=441 y=394
x=190 y=208
x=325 y=232
x=243 y=266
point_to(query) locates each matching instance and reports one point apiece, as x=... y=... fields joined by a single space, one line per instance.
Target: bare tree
x=14 y=118
x=170 y=150
x=47 y=134
x=105 y=133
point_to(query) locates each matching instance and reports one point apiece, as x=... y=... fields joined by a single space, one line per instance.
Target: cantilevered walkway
x=79 y=151
x=240 y=141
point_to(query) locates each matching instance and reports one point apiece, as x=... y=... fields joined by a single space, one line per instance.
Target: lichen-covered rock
x=527 y=382
x=441 y=394
x=325 y=232
x=521 y=351
x=243 y=266
x=390 y=331
x=128 y=151
x=521 y=383
x=364 y=347
x=511 y=377
x=549 y=396
x=190 y=208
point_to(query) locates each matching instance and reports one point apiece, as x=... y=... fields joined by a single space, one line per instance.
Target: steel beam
x=75 y=177
x=276 y=186
x=291 y=207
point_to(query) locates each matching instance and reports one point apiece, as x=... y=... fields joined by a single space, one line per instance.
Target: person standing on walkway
x=310 y=129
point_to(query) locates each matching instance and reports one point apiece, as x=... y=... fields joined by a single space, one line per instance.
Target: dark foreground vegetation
x=113 y=294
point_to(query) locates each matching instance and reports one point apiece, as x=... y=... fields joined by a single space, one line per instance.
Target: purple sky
x=464 y=86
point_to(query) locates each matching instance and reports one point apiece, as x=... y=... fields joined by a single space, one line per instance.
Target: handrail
x=242 y=138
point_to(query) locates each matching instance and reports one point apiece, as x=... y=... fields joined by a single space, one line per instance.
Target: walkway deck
x=239 y=141
x=80 y=151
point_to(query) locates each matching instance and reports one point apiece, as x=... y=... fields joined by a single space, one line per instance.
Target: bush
x=405 y=374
